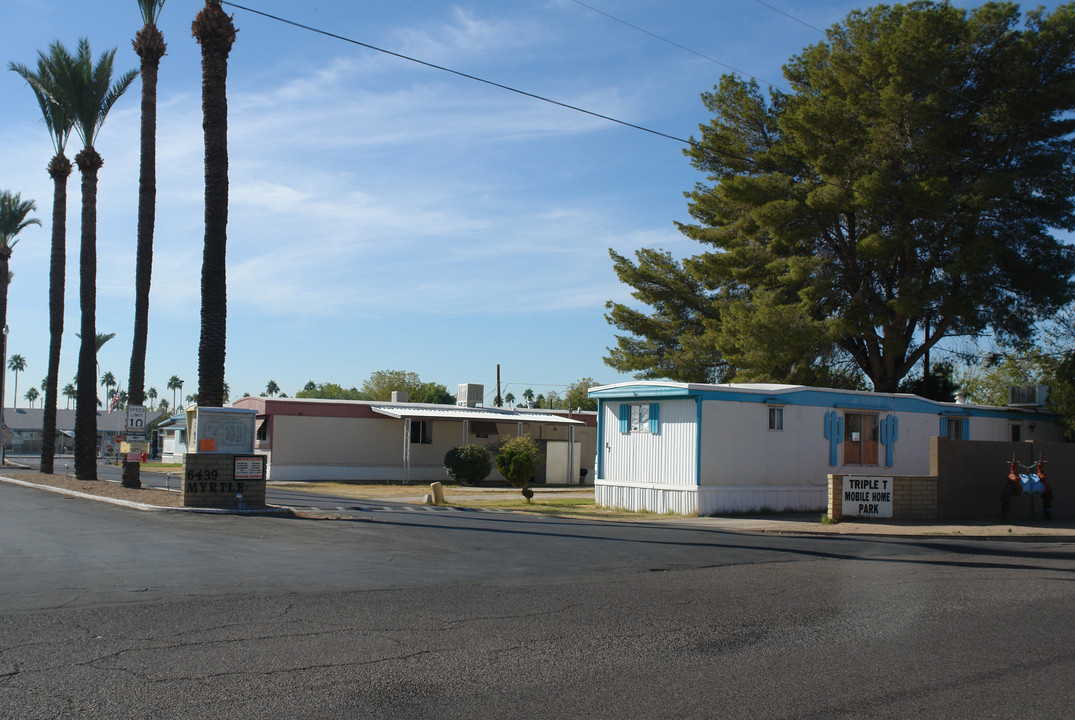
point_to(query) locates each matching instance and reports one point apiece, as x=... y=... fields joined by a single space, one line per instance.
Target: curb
x=273 y=512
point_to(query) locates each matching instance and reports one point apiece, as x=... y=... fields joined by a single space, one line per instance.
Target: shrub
x=468 y=465
x=517 y=461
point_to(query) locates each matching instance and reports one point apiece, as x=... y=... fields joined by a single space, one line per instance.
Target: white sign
x=865 y=496
x=136 y=418
x=250 y=468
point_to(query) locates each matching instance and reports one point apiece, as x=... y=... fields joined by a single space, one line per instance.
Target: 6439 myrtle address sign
x=867 y=496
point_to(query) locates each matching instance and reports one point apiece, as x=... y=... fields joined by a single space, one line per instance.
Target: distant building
x=705 y=449
x=27 y=424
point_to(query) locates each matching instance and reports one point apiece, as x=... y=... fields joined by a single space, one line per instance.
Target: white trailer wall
x=657 y=472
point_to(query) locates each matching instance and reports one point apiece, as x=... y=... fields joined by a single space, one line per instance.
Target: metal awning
x=464 y=416
x=449 y=412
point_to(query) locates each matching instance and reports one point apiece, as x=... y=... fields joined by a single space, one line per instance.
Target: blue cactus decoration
x=890 y=433
x=834 y=433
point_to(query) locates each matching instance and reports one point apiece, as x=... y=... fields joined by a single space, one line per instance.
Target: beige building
x=353 y=440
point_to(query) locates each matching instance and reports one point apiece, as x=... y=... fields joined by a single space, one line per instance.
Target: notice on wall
x=866 y=496
x=250 y=468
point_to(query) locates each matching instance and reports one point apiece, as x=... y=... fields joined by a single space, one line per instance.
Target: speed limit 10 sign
x=136 y=418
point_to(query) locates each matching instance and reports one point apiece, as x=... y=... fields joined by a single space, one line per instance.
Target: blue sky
x=385 y=215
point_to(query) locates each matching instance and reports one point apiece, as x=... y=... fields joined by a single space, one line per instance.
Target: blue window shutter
x=966 y=428
x=625 y=418
x=654 y=418
x=944 y=427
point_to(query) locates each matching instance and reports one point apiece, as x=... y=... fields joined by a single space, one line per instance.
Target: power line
x=750 y=162
x=456 y=72
x=673 y=43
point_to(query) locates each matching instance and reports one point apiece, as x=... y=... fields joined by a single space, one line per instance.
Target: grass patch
x=494 y=498
x=162 y=466
x=574 y=507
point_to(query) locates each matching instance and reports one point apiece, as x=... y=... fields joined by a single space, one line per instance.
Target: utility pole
x=498 y=401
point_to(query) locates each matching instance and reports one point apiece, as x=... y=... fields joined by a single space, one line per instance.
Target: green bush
x=468 y=465
x=517 y=461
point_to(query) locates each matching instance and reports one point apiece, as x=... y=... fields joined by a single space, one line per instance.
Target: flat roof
x=450 y=412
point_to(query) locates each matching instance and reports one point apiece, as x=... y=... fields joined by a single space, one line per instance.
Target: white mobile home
x=705 y=449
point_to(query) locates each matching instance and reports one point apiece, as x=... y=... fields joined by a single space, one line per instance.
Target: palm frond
x=150 y=10
x=43 y=83
x=85 y=90
x=13 y=217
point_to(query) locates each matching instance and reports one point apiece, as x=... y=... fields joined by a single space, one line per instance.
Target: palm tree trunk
x=149 y=44
x=89 y=163
x=59 y=171
x=215 y=32
x=5 y=258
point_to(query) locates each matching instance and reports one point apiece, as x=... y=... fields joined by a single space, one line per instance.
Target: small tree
x=517 y=461
x=468 y=465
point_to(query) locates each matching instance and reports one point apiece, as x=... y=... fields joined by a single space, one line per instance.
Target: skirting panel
x=746 y=499
x=693 y=500
x=680 y=500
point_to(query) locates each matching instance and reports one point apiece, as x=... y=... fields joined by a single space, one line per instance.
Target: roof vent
x=399 y=396
x=1027 y=395
x=470 y=395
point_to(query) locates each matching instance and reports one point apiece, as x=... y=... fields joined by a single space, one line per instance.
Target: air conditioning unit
x=1027 y=395
x=470 y=395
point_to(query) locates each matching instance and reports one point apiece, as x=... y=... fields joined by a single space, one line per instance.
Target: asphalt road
x=112 y=613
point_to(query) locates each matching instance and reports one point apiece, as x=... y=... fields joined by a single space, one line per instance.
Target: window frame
x=776 y=418
x=424 y=430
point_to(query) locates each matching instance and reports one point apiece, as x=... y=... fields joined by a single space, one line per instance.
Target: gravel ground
x=106 y=488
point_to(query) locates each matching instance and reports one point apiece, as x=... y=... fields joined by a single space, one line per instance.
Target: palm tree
x=13 y=220
x=528 y=396
x=31 y=395
x=150 y=46
x=164 y=406
x=16 y=363
x=271 y=389
x=87 y=91
x=174 y=383
x=510 y=399
x=70 y=393
x=59 y=124
x=152 y=395
x=108 y=381
x=215 y=32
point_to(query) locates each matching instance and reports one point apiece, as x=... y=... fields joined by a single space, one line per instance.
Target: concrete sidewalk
x=810 y=524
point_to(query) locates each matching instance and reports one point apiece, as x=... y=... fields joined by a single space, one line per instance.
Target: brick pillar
x=209 y=481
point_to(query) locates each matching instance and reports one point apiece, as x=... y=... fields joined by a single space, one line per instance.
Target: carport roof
x=448 y=412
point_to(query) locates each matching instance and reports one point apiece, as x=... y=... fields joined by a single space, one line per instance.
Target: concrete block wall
x=209 y=481
x=914 y=498
x=966 y=481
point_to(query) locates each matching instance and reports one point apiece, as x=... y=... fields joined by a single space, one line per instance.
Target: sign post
x=135 y=433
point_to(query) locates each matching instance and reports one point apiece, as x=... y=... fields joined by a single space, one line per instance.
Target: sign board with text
x=866 y=496
x=136 y=418
x=250 y=467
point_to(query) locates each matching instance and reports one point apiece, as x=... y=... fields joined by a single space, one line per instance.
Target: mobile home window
x=776 y=418
x=640 y=418
x=421 y=432
x=955 y=428
x=860 y=439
